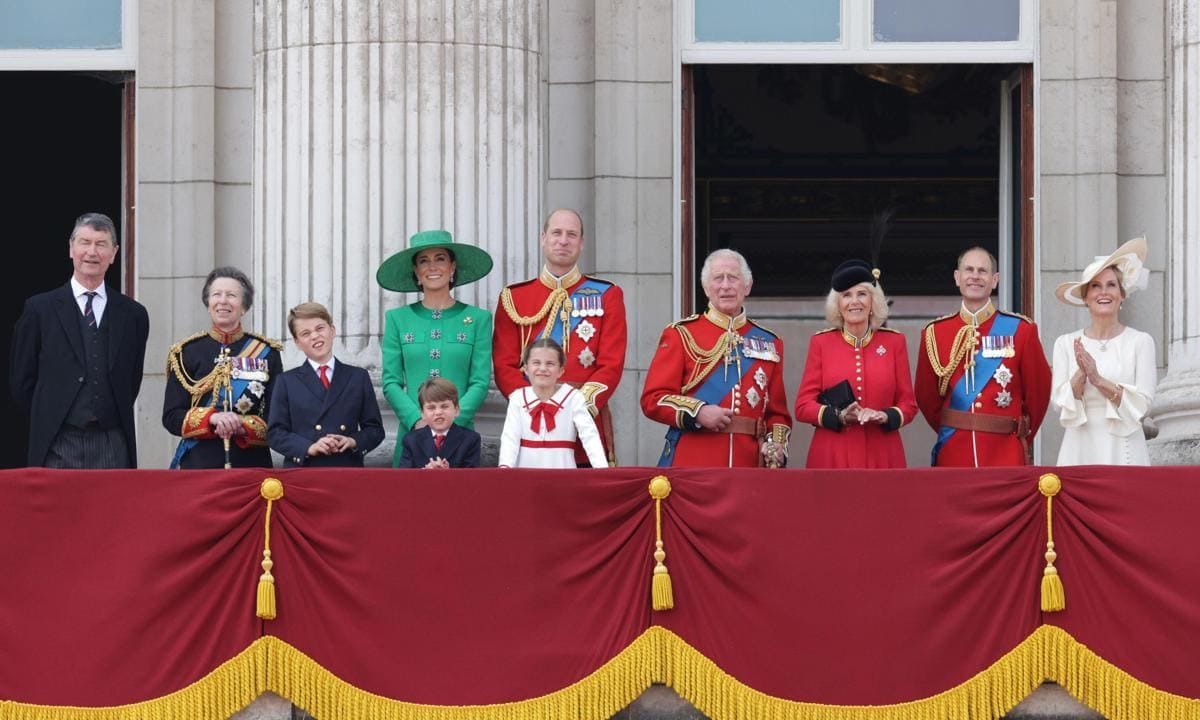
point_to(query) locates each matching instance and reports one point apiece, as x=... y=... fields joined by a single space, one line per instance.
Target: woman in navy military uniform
x=219 y=382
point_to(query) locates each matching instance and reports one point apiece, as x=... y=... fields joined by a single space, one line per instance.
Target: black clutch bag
x=839 y=397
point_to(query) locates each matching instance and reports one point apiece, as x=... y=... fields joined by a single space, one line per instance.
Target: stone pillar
x=376 y=120
x=1176 y=409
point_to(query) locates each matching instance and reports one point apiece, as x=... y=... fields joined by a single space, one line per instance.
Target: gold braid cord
x=558 y=303
x=963 y=346
x=704 y=359
x=195 y=388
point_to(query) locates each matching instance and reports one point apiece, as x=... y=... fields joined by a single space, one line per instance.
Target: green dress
x=419 y=343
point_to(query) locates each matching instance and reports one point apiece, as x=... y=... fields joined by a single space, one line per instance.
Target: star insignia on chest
x=1003 y=376
x=585 y=330
x=760 y=377
x=1003 y=399
x=409 y=337
x=256 y=388
x=244 y=404
x=586 y=357
x=752 y=396
x=881 y=351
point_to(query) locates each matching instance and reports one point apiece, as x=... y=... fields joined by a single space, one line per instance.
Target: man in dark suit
x=439 y=443
x=77 y=357
x=323 y=413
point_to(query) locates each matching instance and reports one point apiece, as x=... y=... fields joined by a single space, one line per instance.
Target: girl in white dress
x=1105 y=374
x=545 y=418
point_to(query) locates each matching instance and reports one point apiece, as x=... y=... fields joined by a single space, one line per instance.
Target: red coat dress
x=593 y=313
x=877 y=369
x=697 y=364
x=1010 y=379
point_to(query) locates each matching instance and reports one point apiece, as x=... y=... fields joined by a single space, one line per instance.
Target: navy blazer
x=47 y=362
x=302 y=411
x=461 y=448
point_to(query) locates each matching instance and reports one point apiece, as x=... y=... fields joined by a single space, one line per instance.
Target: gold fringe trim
x=657 y=655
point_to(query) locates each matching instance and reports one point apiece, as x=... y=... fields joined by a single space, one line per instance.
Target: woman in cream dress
x=1105 y=374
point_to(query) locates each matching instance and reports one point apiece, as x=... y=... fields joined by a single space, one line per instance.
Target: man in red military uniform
x=717 y=379
x=982 y=378
x=585 y=315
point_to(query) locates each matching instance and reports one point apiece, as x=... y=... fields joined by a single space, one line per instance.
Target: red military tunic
x=1018 y=389
x=877 y=368
x=698 y=363
x=593 y=313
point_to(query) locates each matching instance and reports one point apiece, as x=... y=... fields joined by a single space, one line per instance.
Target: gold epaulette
x=178 y=347
x=687 y=319
x=764 y=328
x=888 y=329
x=1026 y=318
x=939 y=319
x=827 y=330
x=273 y=343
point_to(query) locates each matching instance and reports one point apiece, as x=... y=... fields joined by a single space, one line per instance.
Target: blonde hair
x=879 y=307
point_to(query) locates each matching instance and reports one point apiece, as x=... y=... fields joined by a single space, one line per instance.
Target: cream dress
x=1096 y=432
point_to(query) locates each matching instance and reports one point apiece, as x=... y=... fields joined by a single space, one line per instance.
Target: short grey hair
x=233 y=274
x=706 y=270
x=879 y=307
x=96 y=221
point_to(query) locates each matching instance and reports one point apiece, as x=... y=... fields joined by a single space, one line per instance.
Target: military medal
x=585 y=330
x=587 y=302
x=586 y=357
x=759 y=349
x=1003 y=376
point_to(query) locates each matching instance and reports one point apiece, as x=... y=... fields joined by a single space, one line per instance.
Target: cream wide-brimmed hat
x=1129 y=259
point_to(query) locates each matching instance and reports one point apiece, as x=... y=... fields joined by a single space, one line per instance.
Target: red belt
x=568 y=444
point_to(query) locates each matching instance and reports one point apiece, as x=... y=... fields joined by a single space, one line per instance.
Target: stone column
x=1176 y=409
x=374 y=120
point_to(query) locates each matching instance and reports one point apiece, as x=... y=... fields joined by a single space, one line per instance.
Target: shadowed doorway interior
x=792 y=161
x=61 y=135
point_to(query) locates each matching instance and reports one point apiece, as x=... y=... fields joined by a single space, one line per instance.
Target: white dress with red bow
x=541 y=433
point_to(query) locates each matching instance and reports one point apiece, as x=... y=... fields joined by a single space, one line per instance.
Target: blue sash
x=714 y=389
x=588 y=288
x=239 y=386
x=960 y=398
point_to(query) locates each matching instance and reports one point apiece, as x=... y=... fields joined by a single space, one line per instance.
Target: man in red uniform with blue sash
x=585 y=315
x=982 y=382
x=717 y=380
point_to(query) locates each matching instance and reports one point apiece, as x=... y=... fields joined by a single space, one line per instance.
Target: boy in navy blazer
x=323 y=413
x=439 y=443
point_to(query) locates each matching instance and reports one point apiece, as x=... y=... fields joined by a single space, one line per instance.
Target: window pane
x=768 y=20
x=947 y=20
x=60 y=24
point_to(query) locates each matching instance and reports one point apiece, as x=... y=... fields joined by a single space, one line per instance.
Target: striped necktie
x=88 y=313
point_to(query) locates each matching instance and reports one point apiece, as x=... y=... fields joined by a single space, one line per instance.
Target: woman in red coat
x=856 y=389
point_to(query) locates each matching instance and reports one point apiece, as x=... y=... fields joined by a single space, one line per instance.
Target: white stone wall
x=1102 y=155
x=610 y=154
x=194 y=141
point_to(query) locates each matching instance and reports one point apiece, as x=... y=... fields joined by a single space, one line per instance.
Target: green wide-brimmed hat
x=396 y=273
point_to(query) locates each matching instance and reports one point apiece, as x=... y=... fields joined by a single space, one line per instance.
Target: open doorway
x=62 y=138
x=792 y=161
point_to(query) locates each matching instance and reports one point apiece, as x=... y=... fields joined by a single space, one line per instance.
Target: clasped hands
x=331 y=444
x=855 y=413
x=1086 y=372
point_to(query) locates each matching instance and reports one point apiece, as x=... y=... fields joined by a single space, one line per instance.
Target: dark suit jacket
x=461 y=448
x=47 y=362
x=302 y=411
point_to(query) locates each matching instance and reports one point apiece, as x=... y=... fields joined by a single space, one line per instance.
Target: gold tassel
x=271 y=490
x=662 y=597
x=1053 y=596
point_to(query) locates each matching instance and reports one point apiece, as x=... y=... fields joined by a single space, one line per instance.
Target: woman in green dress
x=436 y=336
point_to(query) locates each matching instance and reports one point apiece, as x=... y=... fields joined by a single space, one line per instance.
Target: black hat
x=851 y=273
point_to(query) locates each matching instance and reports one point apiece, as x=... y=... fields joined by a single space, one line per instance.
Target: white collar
x=316 y=366
x=77 y=289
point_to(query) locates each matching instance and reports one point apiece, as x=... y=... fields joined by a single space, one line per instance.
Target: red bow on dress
x=546 y=410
